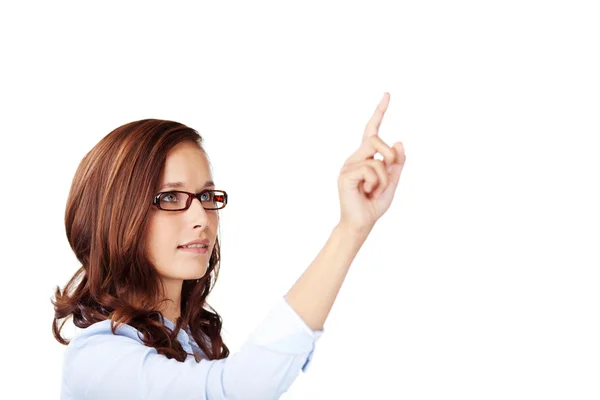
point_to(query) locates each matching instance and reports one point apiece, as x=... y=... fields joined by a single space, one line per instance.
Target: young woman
x=142 y=218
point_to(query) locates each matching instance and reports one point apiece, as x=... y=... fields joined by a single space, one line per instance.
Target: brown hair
x=105 y=219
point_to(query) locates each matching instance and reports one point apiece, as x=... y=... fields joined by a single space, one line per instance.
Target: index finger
x=372 y=127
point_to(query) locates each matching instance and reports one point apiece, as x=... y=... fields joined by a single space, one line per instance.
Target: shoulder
x=101 y=332
x=96 y=347
x=100 y=364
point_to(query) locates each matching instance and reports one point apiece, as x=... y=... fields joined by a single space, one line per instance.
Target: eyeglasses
x=178 y=200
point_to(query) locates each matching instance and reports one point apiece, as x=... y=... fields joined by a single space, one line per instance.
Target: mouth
x=193 y=249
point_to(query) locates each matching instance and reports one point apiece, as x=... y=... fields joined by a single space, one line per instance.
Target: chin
x=193 y=275
x=187 y=271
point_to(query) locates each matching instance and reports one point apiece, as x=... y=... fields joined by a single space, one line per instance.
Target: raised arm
x=366 y=189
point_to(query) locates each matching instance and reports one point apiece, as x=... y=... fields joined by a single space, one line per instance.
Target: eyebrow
x=169 y=185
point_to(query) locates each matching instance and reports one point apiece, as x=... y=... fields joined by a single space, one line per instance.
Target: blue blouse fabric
x=101 y=365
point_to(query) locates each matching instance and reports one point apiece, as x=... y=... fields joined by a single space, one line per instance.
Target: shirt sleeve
x=102 y=365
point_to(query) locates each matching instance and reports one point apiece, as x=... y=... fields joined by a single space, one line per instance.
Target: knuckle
x=379 y=164
x=388 y=153
x=368 y=171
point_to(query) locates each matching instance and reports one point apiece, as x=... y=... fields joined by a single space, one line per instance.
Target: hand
x=366 y=186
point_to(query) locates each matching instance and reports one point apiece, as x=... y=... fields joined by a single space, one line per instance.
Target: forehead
x=186 y=163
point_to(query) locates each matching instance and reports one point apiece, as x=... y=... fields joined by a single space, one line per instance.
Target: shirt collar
x=182 y=335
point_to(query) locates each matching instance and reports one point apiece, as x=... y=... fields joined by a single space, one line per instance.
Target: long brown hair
x=106 y=217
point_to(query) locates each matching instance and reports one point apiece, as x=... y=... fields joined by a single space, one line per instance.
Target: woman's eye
x=205 y=196
x=168 y=197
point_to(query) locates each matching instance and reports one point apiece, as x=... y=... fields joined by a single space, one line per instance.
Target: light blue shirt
x=101 y=365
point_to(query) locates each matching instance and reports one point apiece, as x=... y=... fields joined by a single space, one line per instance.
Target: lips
x=194 y=250
x=197 y=241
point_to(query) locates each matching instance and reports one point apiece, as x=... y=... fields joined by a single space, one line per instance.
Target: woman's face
x=167 y=230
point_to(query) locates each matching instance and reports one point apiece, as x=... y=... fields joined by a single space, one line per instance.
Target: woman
x=150 y=256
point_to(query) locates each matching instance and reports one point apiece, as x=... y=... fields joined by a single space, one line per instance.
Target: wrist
x=355 y=233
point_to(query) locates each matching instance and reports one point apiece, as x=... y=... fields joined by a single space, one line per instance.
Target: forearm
x=314 y=293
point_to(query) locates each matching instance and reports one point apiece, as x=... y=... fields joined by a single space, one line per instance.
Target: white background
x=480 y=282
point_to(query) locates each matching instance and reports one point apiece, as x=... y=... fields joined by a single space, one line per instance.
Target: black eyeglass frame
x=191 y=196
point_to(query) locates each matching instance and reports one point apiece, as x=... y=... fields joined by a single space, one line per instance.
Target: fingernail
x=389 y=169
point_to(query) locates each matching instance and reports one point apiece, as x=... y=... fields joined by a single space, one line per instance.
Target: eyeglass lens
x=177 y=200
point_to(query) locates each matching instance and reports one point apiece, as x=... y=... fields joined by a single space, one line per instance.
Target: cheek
x=214 y=221
x=162 y=236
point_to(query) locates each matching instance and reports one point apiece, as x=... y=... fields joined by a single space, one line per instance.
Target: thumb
x=400 y=156
x=396 y=168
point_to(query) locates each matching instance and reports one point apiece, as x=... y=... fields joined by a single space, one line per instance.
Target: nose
x=197 y=213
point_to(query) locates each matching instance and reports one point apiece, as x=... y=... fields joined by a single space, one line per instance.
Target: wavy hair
x=106 y=218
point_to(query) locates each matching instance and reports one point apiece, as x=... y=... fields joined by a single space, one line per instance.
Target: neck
x=171 y=311
x=171 y=308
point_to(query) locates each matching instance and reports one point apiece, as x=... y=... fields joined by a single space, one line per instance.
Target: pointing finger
x=372 y=127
